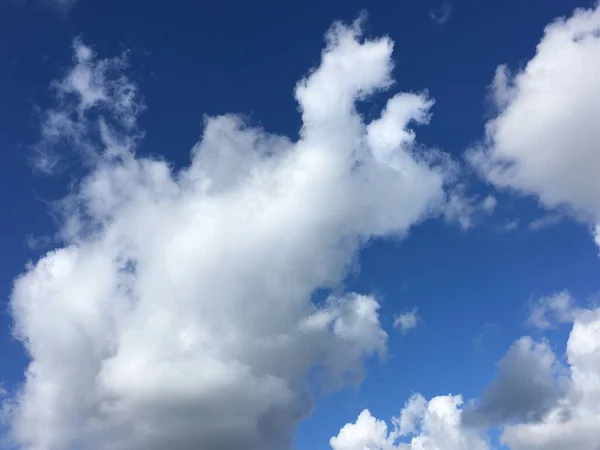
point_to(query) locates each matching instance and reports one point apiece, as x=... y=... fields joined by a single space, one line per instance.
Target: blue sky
x=186 y=262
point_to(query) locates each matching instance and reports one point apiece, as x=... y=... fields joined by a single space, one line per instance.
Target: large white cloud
x=545 y=140
x=178 y=313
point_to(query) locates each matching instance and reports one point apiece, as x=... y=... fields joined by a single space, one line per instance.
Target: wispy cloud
x=550 y=311
x=507 y=226
x=545 y=221
x=407 y=320
x=442 y=13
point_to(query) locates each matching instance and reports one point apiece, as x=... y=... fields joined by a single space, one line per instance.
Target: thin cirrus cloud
x=209 y=270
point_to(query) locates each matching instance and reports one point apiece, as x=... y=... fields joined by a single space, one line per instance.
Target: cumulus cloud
x=178 y=312
x=525 y=387
x=573 y=421
x=423 y=424
x=407 y=320
x=544 y=140
x=535 y=400
x=553 y=310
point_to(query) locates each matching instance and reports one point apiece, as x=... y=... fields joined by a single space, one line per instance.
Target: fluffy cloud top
x=178 y=312
x=538 y=403
x=545 y=139
x=573 y=421
x=527 y=386
x=423 y=425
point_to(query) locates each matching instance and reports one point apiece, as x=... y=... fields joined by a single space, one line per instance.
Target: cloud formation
x=573 y=421
x=432 y=425
x=536 y=401
x=525 y=387
x=178 y=312
x=544 y=140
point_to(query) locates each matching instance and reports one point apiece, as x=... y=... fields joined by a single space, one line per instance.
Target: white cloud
x=423 y=425
x=178 y=313
x=573 y=422
x=466 y=210
x=536 y=401
x=552 y=310
x=89 y=87
x=407 y=321
x=545 y=139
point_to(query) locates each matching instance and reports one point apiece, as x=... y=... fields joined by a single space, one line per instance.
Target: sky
x=305 y=225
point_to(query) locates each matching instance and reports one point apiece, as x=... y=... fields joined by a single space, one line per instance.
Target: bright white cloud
x=552 y=310
x=407 y=321
x=423 y=425
x=178 y=313
x=545 y=138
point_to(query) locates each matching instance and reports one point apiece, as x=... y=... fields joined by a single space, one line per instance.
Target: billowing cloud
x=573 y=421
x=526 y=387
x=545 y=139
x=178 y=312
x=536 y=401
x=422 y=425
